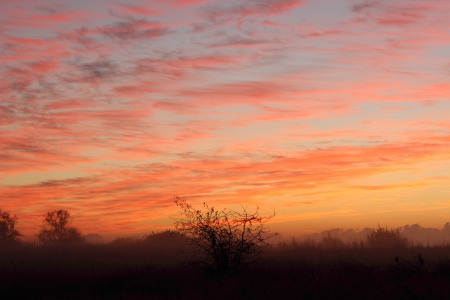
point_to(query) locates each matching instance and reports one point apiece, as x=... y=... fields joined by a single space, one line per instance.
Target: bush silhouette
x=8 y=232
x=383 y=238
x=331 y=242
x=225 y=239
x=166 y=238
x=57 y=229
x=124 y=241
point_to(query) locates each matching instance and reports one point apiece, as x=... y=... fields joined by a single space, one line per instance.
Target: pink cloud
x=392 y=14
x=44 y=66
x=396 y=13
x=249 y=92
x=135 y=9
x=241 y=41
x=23 y=16
x=219 y=14
x=183 y=3
x=133 y=30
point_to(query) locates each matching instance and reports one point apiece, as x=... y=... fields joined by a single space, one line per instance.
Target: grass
x=151 y=269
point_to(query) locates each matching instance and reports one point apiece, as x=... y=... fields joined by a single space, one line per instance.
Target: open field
x=129 y=269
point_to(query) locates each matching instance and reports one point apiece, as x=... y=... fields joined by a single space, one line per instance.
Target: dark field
x=154 y=269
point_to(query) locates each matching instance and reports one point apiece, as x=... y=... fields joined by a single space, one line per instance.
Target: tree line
x=223 y=239
x=56 y=228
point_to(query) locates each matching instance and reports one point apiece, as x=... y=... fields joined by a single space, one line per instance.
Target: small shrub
x=383 y=238
x=332 y=242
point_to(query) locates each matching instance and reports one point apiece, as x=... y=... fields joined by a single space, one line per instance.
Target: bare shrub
x=225 y=239
x=57 y=229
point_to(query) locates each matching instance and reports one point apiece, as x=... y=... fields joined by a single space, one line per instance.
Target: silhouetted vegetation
x=8 y=232
x=226 y=239
x=332 y=242
x=167 y=238
x=385 y=265
x=384 y=238
x=57 y=229
x=150 y=268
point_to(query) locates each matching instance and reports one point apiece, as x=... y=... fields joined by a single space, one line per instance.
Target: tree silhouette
x=8 y=233
x=57 y=229
x=226 y=239
x=384 y=238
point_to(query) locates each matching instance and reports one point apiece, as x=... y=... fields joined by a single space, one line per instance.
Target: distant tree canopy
x=8 y=232
x=124 y=241
x=57 y=229
x=383 y=238
x=332 y=242
x=166 y=238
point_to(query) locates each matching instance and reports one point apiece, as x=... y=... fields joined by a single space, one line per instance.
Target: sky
x=330 y=113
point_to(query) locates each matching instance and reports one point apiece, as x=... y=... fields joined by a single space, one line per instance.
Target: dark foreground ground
x=294 y=271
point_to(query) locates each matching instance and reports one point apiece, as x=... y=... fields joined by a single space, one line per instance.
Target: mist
x=415 y=233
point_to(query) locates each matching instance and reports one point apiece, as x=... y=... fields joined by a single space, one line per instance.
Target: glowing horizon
x=331 y=113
